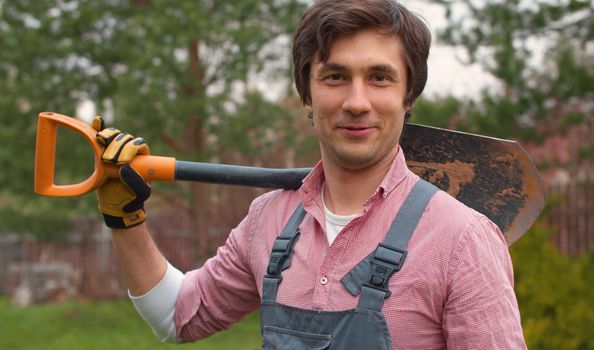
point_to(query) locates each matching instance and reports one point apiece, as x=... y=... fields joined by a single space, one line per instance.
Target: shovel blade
x=495 y=177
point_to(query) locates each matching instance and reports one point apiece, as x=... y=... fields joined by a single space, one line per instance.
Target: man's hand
x=121 y=200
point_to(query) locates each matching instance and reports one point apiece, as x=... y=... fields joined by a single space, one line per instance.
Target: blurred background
x=211 y=81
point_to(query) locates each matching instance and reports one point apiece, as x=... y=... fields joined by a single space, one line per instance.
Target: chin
x=355 y=161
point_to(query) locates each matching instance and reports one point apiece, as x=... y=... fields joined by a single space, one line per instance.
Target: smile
x=356 y=131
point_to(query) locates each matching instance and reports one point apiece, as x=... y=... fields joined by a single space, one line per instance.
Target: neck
x=347 y=190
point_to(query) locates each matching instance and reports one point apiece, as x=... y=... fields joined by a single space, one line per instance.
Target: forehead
x=368 y=47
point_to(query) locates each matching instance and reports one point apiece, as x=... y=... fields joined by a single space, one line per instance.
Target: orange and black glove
x=121 y=200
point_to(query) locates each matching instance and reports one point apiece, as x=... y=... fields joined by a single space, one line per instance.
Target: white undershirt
x=334 y=223
x=157 y=306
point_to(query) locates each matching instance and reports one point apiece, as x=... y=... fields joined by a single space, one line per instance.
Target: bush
x=554 y=292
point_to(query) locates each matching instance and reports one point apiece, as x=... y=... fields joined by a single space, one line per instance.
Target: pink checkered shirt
x=455 y=290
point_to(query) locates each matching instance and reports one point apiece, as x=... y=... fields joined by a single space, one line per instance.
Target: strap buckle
x=281 y=250
x=386 y=260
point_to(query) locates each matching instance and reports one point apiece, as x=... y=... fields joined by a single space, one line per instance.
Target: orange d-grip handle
x=151 y=168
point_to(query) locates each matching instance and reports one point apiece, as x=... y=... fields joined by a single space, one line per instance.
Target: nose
x=357 y=99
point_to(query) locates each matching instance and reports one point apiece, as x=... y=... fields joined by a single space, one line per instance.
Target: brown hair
x=327 y=19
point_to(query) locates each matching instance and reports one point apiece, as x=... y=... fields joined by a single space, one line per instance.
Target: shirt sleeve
x=222 y=292
x=481 y=310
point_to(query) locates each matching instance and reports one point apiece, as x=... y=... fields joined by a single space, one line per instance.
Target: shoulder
x=450 y=231
x=474 y=241
x=446 y=213
x=262 y=217
x=475 y=226
x=269 y=213
x=274 y=204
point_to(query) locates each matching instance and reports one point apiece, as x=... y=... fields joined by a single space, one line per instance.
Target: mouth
x=356 y=130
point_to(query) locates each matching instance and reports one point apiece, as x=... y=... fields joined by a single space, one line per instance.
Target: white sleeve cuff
x=157 y=306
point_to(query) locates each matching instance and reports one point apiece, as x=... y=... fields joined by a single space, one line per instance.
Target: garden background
x=211 y=81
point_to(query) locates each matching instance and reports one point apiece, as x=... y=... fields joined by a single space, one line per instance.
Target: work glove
x=121 y=200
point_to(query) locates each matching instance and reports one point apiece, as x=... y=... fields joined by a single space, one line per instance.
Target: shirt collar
x=397 y=173
x=312 y=184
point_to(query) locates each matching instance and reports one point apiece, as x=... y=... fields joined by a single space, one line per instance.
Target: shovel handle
x=151 y=168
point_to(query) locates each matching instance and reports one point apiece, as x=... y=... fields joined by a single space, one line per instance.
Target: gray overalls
x=286 y=327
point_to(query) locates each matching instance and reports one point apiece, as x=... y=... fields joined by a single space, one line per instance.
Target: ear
x=408 y=105
x=407 y=115
x=408 y=110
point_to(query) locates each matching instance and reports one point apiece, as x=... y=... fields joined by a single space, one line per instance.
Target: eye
x=380 y=78
x=335 y=77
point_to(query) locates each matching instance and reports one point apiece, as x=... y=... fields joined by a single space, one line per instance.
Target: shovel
x=496 y=177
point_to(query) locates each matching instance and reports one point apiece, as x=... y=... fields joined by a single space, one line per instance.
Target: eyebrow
x=330 y=66
x=376 y=68
x=385 y=68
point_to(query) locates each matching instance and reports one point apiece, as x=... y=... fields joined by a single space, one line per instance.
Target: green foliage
x=504 y=37
x=255 y=128
x=440 y=112
x=163 y=70
x=554 y=293
x=102 y=325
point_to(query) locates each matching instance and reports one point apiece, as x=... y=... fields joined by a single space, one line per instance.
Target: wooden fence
x=91 y=261
x=78 y=266
x=571 y=215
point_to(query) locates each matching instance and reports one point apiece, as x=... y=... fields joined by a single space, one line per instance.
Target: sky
x=447 y=75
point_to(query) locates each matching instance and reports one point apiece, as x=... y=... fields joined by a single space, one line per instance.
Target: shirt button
x=323 y=280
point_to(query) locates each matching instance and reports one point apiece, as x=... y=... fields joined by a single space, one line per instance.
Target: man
x=364 y=254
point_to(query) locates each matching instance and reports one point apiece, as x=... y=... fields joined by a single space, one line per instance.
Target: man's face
x=357 y=99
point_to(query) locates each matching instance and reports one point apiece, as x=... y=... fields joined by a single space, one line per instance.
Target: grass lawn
x=102 y=325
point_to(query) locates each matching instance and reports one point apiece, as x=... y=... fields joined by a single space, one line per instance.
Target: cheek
x=392 y=114
x=325 y=100
x=389 y=104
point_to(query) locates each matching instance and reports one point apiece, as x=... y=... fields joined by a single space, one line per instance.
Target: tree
x=537 y=98
x=172 y=73
x=441 y=112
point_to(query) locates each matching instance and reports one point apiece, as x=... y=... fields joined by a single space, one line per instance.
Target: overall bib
x=287 y=327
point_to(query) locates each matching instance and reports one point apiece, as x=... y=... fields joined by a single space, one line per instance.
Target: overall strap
x=280 y=256
x=372 y=275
